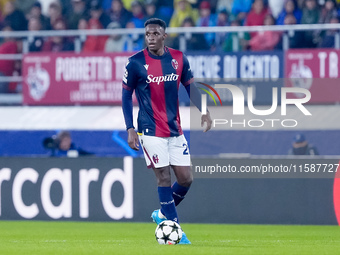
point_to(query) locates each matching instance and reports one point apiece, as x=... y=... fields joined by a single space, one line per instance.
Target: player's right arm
x=129 y=84
x=133 y=139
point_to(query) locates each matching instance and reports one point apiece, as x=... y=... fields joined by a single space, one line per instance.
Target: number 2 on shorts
x=185 y=152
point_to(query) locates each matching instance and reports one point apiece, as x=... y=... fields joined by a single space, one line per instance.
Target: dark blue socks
x=170 y=197
x=178 y=192
x=167 y=203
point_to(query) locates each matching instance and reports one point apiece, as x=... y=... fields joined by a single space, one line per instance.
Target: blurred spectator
x=54 y=14
x=127 y=4
x=115 y=43
x=16 y=87
x=241 y=8
x=138 y=15
x=295 y=38
x=3 y=3
x=58 y=43
x=119 y=14
x=182 y=11
x=6 y=28
x=37 y=42
x=236 y=41
x=266 y=40
x=82 y=24
x=328 y=12
x=169 y=3
x=150 y=9
x=290 y=7
x=14 y=17
x=207 y=19
x=275 y=7
x=96 y=12
x=222 y=21
x=78 y=12
x=301 y=4
x=165 y=10
x=45 y=6
x=94 y=43
x=7 y=67
x=257 y=15
x=24 y=5
x=196 y=4
x=328 y=40
x=301 y=146
x=67 y=7
x=134 y=42
x=35 y=12
x=13 y=66
x=63 y=146
x=225 y=5
x=106 y=5
x=222 y=18
x=193 y=41
x=310 y=15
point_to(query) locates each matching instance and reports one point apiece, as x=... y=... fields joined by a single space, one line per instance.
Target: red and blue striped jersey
x=156 y=81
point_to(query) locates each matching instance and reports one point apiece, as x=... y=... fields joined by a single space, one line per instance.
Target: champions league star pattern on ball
x=157 y=90
x=168 y=232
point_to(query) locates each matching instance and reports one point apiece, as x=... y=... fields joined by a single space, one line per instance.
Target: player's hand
x=206 y=119
x=133 y=139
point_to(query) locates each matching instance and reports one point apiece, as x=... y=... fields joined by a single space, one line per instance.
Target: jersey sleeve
x=129 y=84
x=130 y=76
x=187 y=77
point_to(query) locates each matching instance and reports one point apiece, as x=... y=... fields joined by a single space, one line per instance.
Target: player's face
x=154 y=37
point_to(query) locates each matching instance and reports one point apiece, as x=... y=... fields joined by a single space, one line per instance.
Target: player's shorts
x=165 y=151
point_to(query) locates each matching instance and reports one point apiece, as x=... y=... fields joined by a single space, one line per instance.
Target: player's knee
x=164 y=180
x=163 y=176
x=186 y=182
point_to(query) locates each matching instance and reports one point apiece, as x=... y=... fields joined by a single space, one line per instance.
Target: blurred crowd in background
x=32 y=15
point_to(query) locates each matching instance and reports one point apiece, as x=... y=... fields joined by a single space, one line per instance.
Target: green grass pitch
x=35 y=237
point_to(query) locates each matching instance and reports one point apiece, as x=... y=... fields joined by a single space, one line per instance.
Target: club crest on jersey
x=155 y=158
x=174 y=63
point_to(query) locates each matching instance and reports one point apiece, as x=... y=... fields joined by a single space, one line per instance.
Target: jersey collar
x=166 y=52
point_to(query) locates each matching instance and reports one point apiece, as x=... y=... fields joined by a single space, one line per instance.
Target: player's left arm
x=129 y=83
x=196 y=99
x=194 y=93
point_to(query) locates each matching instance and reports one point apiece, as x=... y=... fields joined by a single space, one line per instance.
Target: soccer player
x=155 y=74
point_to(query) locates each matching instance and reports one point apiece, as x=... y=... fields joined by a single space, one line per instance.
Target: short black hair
x=155 y=21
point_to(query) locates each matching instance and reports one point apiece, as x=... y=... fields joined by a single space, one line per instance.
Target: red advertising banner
x=72 y=79
x=96 y=78
x=315 y=70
